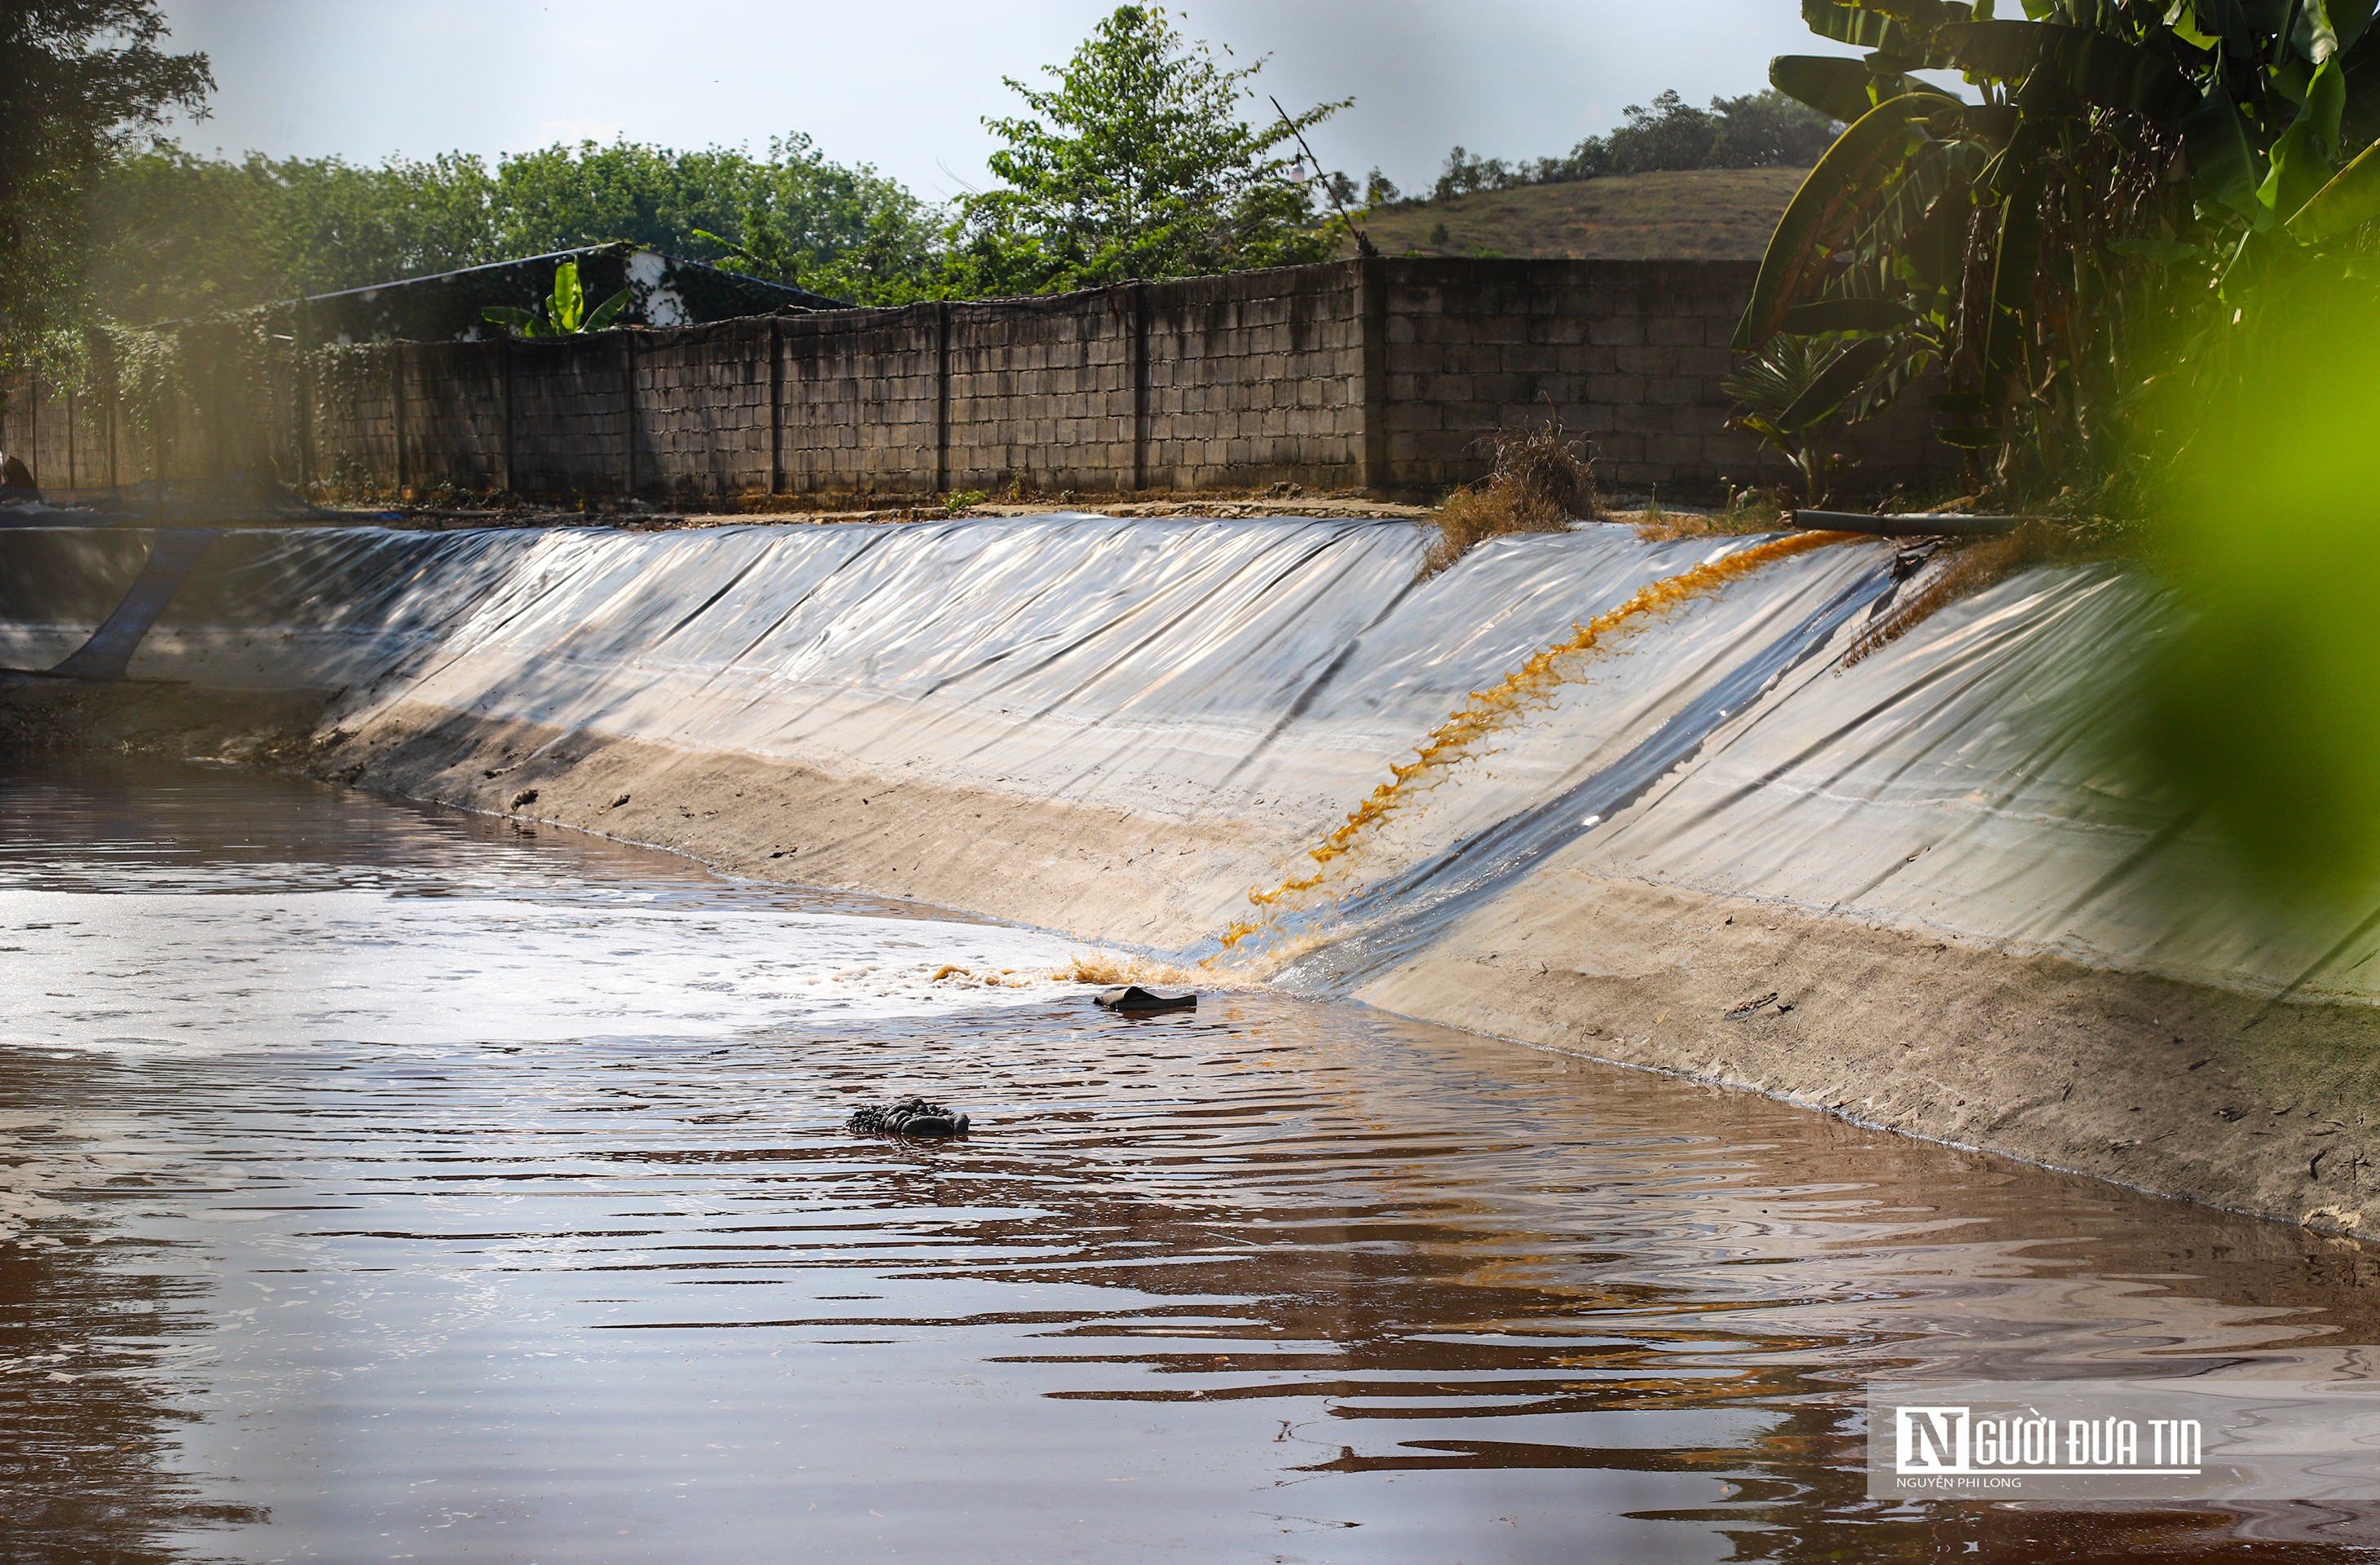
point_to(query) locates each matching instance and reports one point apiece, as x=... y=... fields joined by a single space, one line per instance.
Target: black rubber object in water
x=1132 y=997
x=911 y=1116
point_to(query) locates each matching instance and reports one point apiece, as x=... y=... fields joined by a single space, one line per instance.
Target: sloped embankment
x=1581 y=789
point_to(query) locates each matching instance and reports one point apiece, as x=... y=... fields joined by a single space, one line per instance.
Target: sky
x=905 y=84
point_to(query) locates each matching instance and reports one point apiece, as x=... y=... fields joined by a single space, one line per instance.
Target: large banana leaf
x=2094 y=66
x=2005 y=51
x=2349 y=201
x=569 y=306
x=1933 y=248
x=600 y=318
x=1847 y=315
x=2304 y=157
x=2352 y=20
x=2242 y=18
x=2222 y=164
x=1858 y=26
x=2015 y=265
x=1838 y=87
x=525 y=322
x=1823 y=211
x=1921 y=13
x=1839 y=381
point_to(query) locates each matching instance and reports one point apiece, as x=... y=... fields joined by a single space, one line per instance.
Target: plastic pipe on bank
x=1904 y=525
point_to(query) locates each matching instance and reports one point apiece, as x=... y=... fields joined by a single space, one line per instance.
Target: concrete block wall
x=1628 y=355
x=860 y=399
x=1043 y=390
x=1246 y=388
x=571 y=417
x=703 y=412
x=74 y=429
x=350 y=420
x=1385 y=375
x=74 y=439
x=452 y=403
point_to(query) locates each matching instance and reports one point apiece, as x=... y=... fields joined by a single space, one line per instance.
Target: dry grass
x=1747 y=510
x=1969 y=570
x=1540 y=482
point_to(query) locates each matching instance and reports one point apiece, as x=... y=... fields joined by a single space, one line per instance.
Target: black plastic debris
x=1132 y=997
x=911 y=1116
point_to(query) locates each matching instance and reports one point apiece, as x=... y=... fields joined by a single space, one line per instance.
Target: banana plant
x=1785 y=393
x=563 y=313
x=2110 y=165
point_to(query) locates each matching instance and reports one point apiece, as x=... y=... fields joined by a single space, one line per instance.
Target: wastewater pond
x=386 y=1183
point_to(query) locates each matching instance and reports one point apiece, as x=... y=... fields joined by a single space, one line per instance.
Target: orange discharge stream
x=1530 y=686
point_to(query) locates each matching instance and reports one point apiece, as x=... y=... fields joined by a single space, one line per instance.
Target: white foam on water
x=143 y=971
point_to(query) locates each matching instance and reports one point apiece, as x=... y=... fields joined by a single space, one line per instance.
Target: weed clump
x=1747 y=511
x=1540 y=482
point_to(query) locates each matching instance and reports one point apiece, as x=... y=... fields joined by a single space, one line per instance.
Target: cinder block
x=1661 y=362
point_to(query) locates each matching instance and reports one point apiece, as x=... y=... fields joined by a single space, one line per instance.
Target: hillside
x=1713 y=213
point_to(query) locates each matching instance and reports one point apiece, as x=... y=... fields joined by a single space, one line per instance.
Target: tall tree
x=84 y=77
x=1147 y=158
x=173 y=233
x=849 y=233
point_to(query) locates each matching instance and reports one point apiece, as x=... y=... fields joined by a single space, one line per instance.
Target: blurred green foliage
x=2265 y=702
x=2114 y=172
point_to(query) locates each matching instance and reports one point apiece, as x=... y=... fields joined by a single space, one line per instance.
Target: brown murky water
x=389 y=1185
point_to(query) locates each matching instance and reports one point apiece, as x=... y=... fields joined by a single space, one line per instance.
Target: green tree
x=562 y=198
x=1140 y=162
x=1757 y=130
x=847 y=233
x=176 y=234
x=84 y=77
x=1671 y=134
x=1767 y=129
